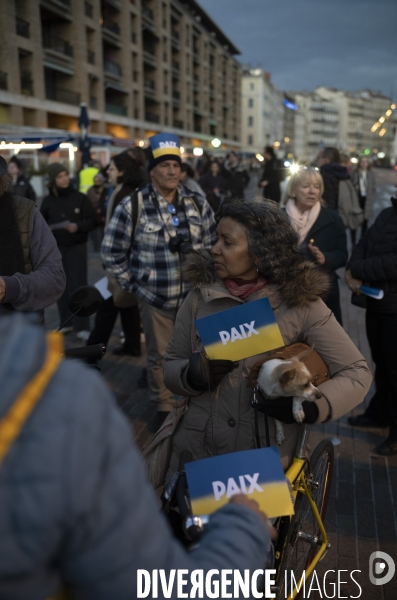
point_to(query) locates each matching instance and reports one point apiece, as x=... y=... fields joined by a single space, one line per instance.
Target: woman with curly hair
x=257 y=255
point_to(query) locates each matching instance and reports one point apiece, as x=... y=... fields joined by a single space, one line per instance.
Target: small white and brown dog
x=287 y=378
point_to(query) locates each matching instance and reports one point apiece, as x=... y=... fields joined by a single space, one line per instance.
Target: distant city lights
x=216 y=142
x=198 y=151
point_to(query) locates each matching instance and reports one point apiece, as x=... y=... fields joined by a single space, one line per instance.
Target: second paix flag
x=256 y=473
x=240 y=332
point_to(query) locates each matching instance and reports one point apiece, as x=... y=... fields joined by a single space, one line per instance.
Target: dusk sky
x=349 y=44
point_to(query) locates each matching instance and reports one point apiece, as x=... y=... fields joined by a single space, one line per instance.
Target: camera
x=180 y=243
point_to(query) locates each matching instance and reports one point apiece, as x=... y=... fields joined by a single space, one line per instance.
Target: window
x=250 y=121
x=250 y=102
x=252 y=86
x=250 y=140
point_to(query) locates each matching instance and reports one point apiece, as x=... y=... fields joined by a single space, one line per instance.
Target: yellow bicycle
x=302 y=540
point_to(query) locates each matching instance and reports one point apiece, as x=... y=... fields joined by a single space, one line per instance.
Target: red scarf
x=243 y=288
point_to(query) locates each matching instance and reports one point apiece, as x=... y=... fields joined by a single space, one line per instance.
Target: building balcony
x=147 y=15
x=62 y=8
x=152 y=117
x=111 y=32
x=62 y=95
x=91 y=57
x=175 y=39
x=58 y=45
x=112 y=68
x=22 y=27
x=176 y=69
x=149 y=57
x=3 y=81
x=177 y=123
x=88 y=10
x=176 y=98
x=27 y=84
x=114 y=4
x=148 y=22
x=149 y=88
x=116 y=109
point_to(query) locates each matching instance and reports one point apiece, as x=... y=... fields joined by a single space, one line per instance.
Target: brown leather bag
x=312 y=360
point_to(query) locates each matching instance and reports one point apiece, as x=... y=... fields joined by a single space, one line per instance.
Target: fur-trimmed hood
x=311 y=282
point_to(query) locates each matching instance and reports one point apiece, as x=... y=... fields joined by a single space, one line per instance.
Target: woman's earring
x=257 y=271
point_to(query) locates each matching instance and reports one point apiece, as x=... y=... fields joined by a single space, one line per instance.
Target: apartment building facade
x=358 y=112
x=141 y=66
x=262 y=112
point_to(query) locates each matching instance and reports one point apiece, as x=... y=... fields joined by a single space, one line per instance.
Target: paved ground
x=362 y=510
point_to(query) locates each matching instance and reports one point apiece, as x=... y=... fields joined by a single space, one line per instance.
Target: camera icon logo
x=378 y=561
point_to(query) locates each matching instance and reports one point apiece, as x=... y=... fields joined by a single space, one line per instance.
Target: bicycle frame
x=296 y=476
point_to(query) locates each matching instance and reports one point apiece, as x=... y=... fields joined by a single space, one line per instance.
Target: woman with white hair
x=321 y=229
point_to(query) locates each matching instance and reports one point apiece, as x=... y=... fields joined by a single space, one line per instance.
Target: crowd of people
x=178 y=241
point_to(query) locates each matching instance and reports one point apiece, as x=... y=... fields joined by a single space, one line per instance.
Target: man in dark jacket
x=20 y=183
x=236 y=177
x=332 y=173
x=76 y=508
x=271 y=176
x=374 y=262
x=31 y=273
x=70 y=216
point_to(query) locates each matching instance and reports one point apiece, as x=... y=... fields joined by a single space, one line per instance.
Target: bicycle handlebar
x=94 y=351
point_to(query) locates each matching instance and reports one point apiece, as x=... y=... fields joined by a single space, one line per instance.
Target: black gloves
x=204 y=374
x=281 y=409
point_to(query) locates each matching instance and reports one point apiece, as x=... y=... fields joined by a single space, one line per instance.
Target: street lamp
x=216 y=142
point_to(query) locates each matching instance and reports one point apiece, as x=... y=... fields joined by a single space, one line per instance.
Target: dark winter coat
x=329 y=235
x=370 y=189
x=22 y=187
x=271 y=173
x=332 y=174
x=224 y=419
x=236 y=179
x=374 y=259
x=74 y=207
x=209 y=183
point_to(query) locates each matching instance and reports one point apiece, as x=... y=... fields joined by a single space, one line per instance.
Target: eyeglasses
x=172 y=211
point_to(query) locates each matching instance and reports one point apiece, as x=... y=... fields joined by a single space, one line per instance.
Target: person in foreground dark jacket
x=374 y=262
x=70 y=215
x=76 y=509
x=332 y=173
x=20 y=183
x=31 y=273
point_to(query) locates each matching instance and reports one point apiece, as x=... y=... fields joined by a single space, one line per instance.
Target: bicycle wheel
x=300 y=547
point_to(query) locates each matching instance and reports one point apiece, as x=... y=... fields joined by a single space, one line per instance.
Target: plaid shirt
x=147 y=267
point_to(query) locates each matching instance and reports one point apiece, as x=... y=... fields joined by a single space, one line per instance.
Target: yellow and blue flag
x=240 y=332
x=255 y=473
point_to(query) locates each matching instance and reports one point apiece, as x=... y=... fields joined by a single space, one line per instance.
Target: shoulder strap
x=16 y=417
x=199 y=207
x=195 y=300
x=136 y=212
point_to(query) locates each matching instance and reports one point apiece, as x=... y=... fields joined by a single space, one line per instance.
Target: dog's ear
x=304 y=354
x=287 y=376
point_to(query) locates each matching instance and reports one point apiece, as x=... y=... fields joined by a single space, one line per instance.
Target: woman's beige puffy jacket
x=223 y=421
